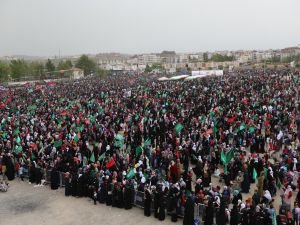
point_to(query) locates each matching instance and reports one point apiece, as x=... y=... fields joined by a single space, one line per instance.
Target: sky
x=72 y=27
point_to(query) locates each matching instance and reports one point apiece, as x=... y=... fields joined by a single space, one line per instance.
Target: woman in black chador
x=147 y=201
x=220 y=217
x=115 y=195
x=209 y=214
x=54 y=179
x=128 y=196
x=120 y=196
x=245 y=185
x=162 y=205
x=68 y=186
x=103 y=191
x=189 y=212
x=234 y=215
x=10 y=169
x=109 y=194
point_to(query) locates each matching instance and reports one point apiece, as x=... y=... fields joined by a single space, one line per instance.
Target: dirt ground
x=24 y=204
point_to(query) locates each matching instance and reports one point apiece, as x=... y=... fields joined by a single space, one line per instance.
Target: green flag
x=265 y=172
x=4 y=135
x=226 y=158
x=16 y=131
x=178 y=127
x=242 y=127
x=130 y=174
x=18 y=149
x=18 y=140
x=147 y=142
x=251 y=129
x=92 y=158
x=120 y=137
x=254 y=176
x=138 y=150
x=279 y=184
x=57 y=144
x=119 y=140
x=76 y=139
x=101 y=157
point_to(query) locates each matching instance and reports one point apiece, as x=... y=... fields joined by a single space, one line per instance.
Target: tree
x=65 y=65
x=86 y=64
x=4 y=70
x=50 y=66
x=37 y=69
x=101 y=72
x=148 y=69
x=19 y=68
x=205 y=57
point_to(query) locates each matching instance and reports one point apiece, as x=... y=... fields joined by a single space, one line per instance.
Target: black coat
x=189 y=212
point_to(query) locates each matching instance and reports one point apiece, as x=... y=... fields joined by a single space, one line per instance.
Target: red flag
x=230 y=120
x=110 y=163
x=51 y=83
x=64 y=113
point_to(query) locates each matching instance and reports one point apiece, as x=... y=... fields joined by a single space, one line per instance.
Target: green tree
x=101 y=72
x=50 y=66
x=37 y=69
x=4 y=70
x=86 y=64
x=65 y=65
x=19 y=68
x=148 y=69
x=205 y=57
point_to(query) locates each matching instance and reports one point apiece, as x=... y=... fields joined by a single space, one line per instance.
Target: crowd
x=170 y=140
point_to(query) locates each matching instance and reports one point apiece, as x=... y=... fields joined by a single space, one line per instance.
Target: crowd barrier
x=138 y=201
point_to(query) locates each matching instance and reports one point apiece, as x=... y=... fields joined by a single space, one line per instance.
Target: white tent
x=195 y=77
x=179 y=77
x=163 y=78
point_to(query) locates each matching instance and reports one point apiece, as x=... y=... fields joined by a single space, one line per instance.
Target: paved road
x=24 y=204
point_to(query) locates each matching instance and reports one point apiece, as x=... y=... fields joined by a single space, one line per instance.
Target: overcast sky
x=42 y=27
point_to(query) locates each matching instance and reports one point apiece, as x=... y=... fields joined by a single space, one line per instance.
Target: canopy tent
x=195 y=77
x=163 y=78
x=179 y=77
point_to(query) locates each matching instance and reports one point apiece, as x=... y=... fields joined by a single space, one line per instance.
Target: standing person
x=189 y=211
x=245 y=185
x=9 y=166
x=55 y=180
x=260 y=185
x=221 y=215
x=128 y=195
x=287 y=197
x=147 y=201
x=234 y=215
x=209 y=214
x=95 y=196
x=68 y=186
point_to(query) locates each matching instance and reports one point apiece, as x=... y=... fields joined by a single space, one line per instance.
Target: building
x=76 y=73
x=149 y=59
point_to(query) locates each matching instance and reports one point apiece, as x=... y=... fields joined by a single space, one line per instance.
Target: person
x=95 y=197
x=245 y=185
x=221 y=217
x=188 y=218
x=209 y=214
x=55 y=180
x=8 y=166
x=147 y=201
x=68 y=186
x=287 y=197
x=3 y=186
x=234 y=216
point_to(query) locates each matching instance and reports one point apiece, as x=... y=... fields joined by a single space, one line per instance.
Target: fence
x=138 y=201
